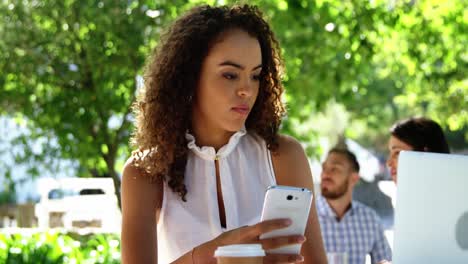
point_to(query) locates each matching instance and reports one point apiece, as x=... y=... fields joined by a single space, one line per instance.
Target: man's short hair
x=349 y=156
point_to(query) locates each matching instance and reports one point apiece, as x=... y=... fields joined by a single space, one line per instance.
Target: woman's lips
x=243 y=110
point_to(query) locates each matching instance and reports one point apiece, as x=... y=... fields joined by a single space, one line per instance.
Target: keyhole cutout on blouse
x=222 y=212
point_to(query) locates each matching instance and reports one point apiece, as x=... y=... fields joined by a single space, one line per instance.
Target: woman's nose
x=389 y=162
x=246 y=89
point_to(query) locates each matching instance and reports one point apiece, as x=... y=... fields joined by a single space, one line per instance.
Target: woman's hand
x=249 y=235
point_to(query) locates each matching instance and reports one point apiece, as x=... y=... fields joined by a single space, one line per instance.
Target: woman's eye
x=229 y=76
x=395 y=154
x=256 y=77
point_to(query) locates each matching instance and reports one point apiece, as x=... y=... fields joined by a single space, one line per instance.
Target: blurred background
x=70 y=69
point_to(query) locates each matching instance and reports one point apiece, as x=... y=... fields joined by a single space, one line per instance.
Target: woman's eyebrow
x=237 y=65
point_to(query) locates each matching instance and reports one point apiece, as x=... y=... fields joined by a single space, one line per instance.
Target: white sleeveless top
x=245 y=171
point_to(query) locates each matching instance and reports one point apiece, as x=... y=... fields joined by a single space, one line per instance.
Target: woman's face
x=395 y=146
x=229 y=83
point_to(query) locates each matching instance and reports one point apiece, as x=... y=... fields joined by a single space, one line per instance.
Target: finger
x=282 y=259
x=268 y=226
x=276 y=242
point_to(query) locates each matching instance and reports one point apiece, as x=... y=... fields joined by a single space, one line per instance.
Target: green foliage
x=72 y=63
x=420 y=68
x=69 y=67
x=53 y=247
x=7 y=187
x=8 y=192
x=381 y=62
x=69 y=74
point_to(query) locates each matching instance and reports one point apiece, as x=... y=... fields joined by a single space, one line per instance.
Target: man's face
x=336 y=176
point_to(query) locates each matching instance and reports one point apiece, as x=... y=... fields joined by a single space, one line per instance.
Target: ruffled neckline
x=209 y=153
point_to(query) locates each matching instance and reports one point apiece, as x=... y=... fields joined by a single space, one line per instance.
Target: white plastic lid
x=240 y=250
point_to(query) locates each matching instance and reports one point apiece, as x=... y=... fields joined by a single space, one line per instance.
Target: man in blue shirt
x=348 y=226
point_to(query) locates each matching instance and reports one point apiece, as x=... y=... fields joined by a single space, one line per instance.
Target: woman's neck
x=205 y=136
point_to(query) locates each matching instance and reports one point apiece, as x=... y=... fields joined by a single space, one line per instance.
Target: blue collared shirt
x=358 y=233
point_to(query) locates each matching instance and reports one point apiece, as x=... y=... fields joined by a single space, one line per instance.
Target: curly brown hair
x=163 y=109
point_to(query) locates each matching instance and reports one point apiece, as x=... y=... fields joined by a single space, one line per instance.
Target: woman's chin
x=235 y=126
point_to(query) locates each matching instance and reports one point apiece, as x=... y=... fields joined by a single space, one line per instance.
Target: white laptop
x=431 y=215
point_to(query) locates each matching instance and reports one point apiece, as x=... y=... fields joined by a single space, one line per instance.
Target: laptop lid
x=431 y=215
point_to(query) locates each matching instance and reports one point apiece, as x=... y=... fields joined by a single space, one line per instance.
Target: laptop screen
x=431 y=215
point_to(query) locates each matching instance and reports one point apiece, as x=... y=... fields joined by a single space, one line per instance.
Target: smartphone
x=287 y=202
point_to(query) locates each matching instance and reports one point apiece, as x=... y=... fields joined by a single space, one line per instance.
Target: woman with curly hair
x=208 y=144
x=416 y=134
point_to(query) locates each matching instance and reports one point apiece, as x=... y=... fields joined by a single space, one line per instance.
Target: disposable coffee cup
x=240 y=254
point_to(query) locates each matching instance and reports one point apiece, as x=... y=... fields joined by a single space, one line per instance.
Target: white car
x=78 y=202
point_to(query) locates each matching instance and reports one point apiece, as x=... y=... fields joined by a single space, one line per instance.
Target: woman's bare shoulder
x=291 y=164
x=138 y=185
x=141 y=199
x=289 y=148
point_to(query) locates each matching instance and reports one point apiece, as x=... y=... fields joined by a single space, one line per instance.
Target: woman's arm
x=140 y=202
x=292 y=169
